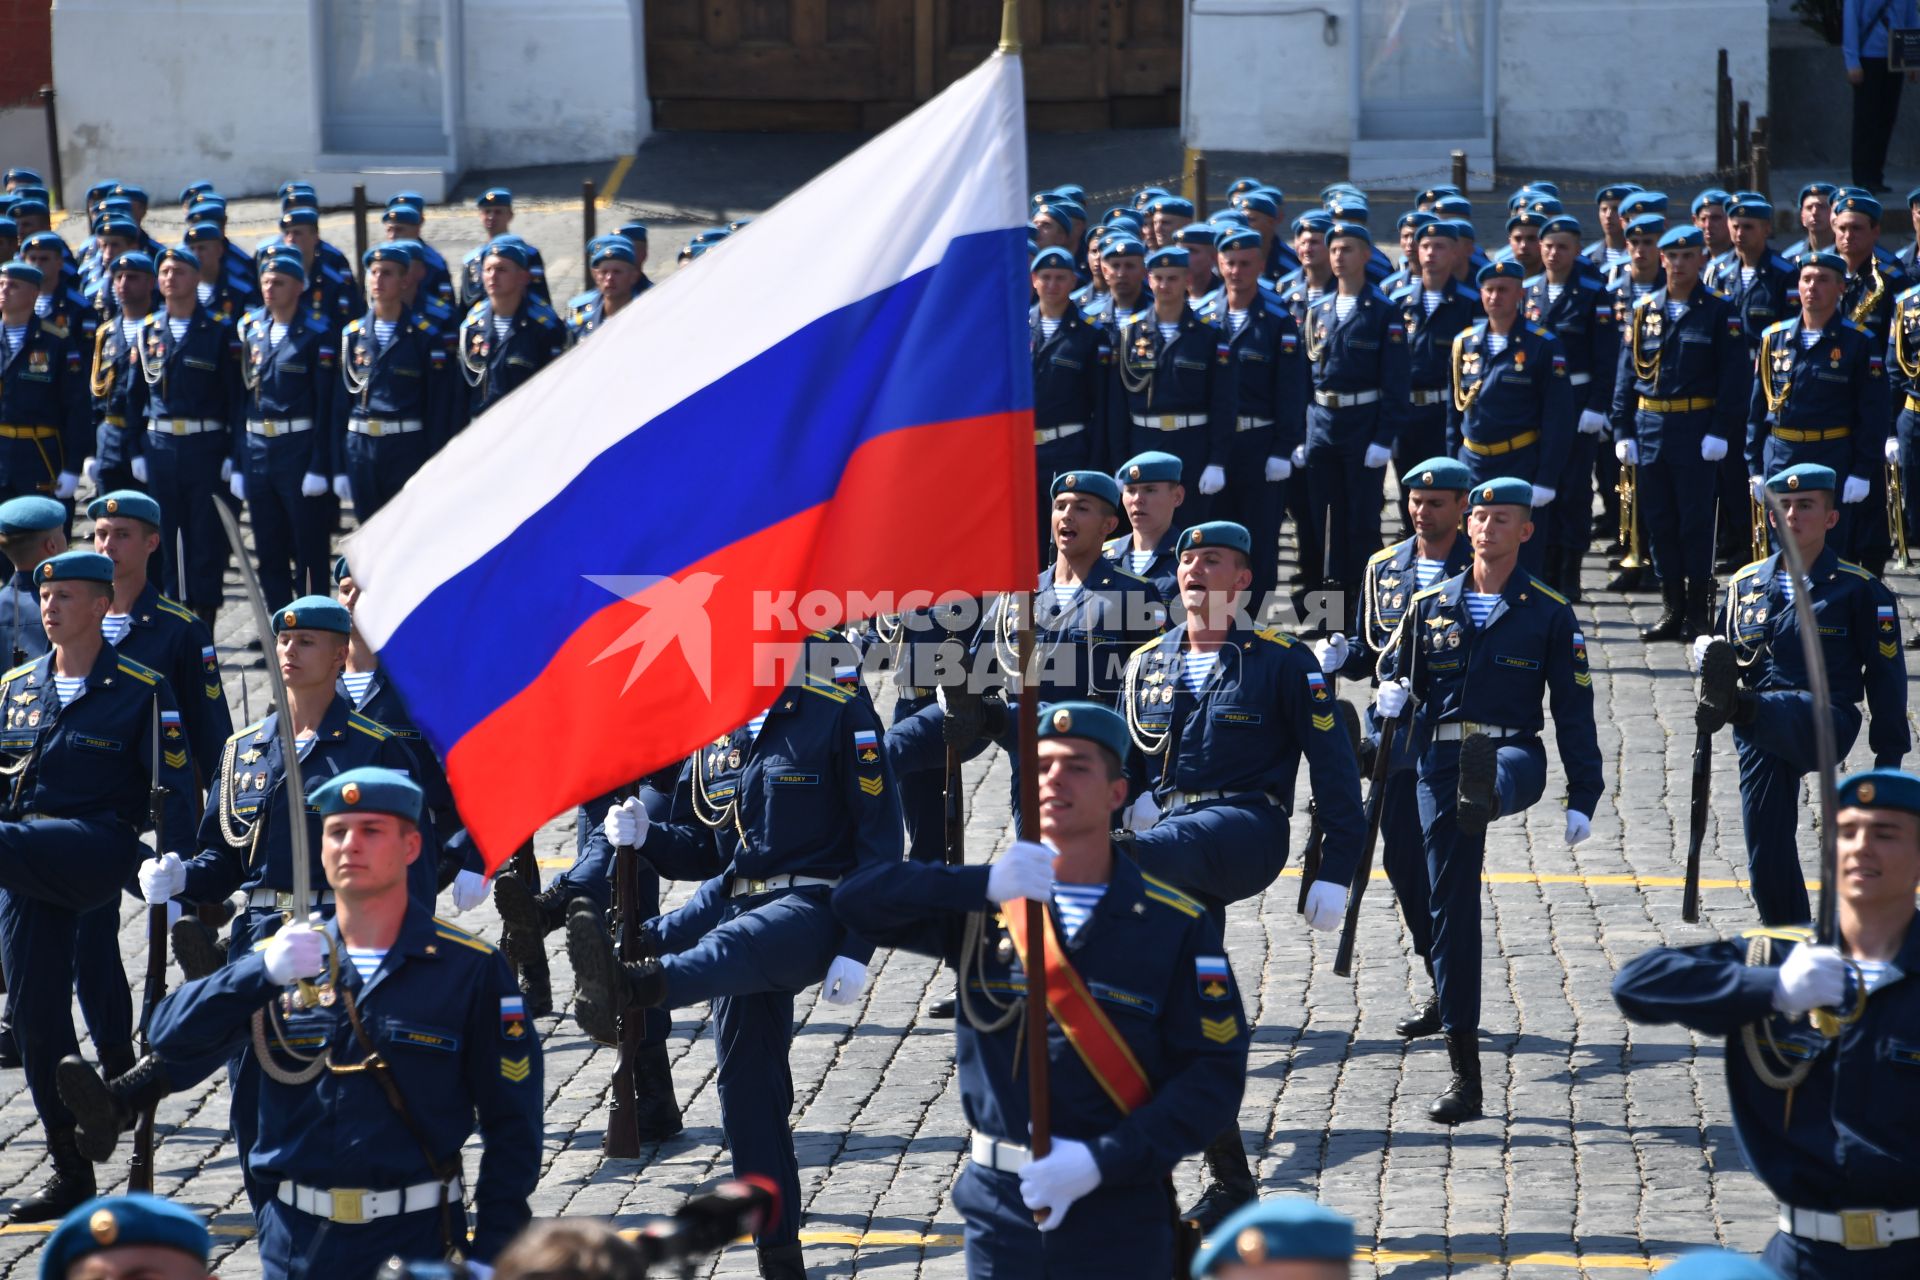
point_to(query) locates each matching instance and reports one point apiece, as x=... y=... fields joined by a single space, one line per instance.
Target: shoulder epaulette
x=1540 y=331
x=146 y=675
x=1149 y=645
x=1779 y=933
x=1168 y=896
x=1274 y=636
x=1111 y=543
x=149 y=320
x=454 y=933
x=1847 y=566
x=583 y=299
x=18 y=671
x=1848 y=322
x=177 y=609
x=423 y=324
x=1383 y=553
x=1435 y=589
x=372 y=728
x=825 y=688
x=1779 y=326
x=1904 y=294
x=248 y=731
x=353 y=326
x=1748 y=569
x=1531 y=281
x=1643 y=299
x=1546 y=590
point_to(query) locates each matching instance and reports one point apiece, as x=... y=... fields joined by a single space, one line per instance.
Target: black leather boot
x=103 y=1109
x=1719 y=682
x=1671 y=624
x=197 y=948
x=1478 y=775
x=70 y=1186
x=1230 y=1182
x=659 y=1112
x=1699 y=618
x=1462 y=1100
x=604 y=988
x=526 y=919
x=1423 y=1023
x=781 y=1262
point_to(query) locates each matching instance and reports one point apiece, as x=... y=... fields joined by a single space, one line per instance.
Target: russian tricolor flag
x=835 y=403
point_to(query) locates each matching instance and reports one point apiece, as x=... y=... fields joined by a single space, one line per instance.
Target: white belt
x=184 y=426
x=271 y=427
x=1344 y=399
x=1047 y=435
x=351 y=1205
x=385 y=426
x=1251 y=424
x=1201 y=797
x=1169 y=421
x=275 y=900
x=1453 y=731
x=1579 y=379
x=1853 y=1228
x=1437 y=395
x=747 y=888
x=1006 y=1157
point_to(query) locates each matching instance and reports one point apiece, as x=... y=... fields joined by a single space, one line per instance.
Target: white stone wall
x=553 y=81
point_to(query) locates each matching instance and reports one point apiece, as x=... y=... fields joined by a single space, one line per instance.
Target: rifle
x=622 y=1138
x=140 y=1170
x=539 y=975
x=954 y=844
x=1316 y=834
x=1376 y=803
x=1697 y=804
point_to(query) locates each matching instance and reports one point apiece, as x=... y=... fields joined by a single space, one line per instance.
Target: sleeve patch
x=516 y=1070
x=1220 y=1030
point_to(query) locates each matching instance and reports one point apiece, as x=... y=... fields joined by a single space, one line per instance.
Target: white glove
x=66 y=485
x=1812 y=978
x=469 y=890
x=1143 y=813
x=1713 y=448
x=91 y=470
x=1628 y=451
x=343 y=489
x=161 y=878
x=844 y=982
x=1331 y=653
x=138 y=465
x=1299 y=455
x=174 y=912
x=627 y=823
x=1854 y=489
x=1025 y=870
x=1893 y=450
x=1391 y=699
x=1579 y=827
x=1212 y=480
x=1542 y=495
x=1059 y=1178
x=1591 y=423
x=1757 y=486
x=236 y=483
x=1698 y=653
x=1326 y=905
x=1279 y=468
x=1378 y=455
x=226 y=468
x=315 y=486
x=295 y=952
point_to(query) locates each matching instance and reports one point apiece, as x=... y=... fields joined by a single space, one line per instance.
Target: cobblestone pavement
x=1606 y=1150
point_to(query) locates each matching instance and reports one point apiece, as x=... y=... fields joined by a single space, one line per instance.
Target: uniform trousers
x=183 y=474
x=1113 y=1231
x=1775 y=751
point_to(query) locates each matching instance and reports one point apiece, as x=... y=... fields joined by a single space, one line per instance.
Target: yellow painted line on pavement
x=614 y=179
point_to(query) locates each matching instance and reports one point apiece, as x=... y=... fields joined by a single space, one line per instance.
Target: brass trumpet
x=1629 y=536
x=1757 y=521
x=1897 y=515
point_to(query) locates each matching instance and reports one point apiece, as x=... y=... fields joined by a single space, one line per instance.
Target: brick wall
x=26 y=33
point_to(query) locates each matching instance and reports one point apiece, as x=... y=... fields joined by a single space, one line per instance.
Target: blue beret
x=1179 y=206
x=1717 y=1264
x=109 y=1222
x=1648 y=224
x=288 y=188
x=634 y=231
x=1283 y=1228
x=1123 y=218
x=1881 y=788
x=1415 y=218
x=389 y=252
x=1168 y=256
x=9 y=228
x=1445 y=228
x=179 y=253
x=1147 y=195
x=313 y=613
x=21 y=207
x=134 y=260
x=1239 y=238
x=1059 y=204
x=1712 y=195
x=618 y=248
x=128 y=503
x=43 y=240
x=494 y=198
x=284 y=264
x=1685 y=237
x=193 y=189
x=1097 y=724
x=1453 y=207
x=1436 y=193
x=1239 y=185
x=1561 y=222
x=19 y=270
x=1824 y=190
x=1745 y=194
x=1545 y=204
x=75 y=566
x=1616 y=191
x=207 y=211
x=202 y=231
x=1258 y=202
x=1462 y=228
x=20 y=175
x=1348 y=210
x=1053 y=258
x=1502 y=491
x=1072 y=191
x=1142 y=468
x=1337 y=188
x=115 y=204
x=412 y=199
x=115 y=224
x=1802 y=477
x=369 y=789
x=1838 y=192
x=1226 y=218
x=1350 y=231
x=131 y=192
x=1544 y=186
x=1216 y=533
x=416 y=251
x=1439 y=473
x=1507 y=269
x=1123 y=244
x=299 y=218
x=31 y=513
x=1197 y=233
x=1913 y=196
x=1313 y=220
x=340 y=570
x=711 y=236
x=299 y=200
x=1825 y=258
x=100 y=189
x=1650 y=201
x=1056 y=214
x=1743 y=207
x=1097 y=484
x=401 y=213
x=512 y=248
x=1858 y=204
x=1528 y=218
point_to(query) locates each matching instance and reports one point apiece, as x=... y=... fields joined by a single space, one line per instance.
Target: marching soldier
x=1435 y=308
x=1070 y=356
x=423 y=1042
x=116 y=365
x=33 y=530
x=1436 y=503
x=404 y=404
x=495 y=207
x=1822 y=1117
x=43 y=393
x=1903 y=367
x=616 y=282
x=1513 y=411
x=1760 y=283
x=764 y=927
x=1148 y=1039
x=72 y=832
x=1874 y=282
x=1270 y=395
x=509 y=335
x=1569 y=299
x=1222 y=715
x=1487 y=645
x=1678 y=392
x=1772 y=716
x=1151 y=495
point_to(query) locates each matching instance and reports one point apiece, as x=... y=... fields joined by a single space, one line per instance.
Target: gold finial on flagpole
x=1009 y=26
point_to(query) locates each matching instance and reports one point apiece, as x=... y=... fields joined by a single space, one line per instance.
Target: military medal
x=33 y=716
x=327 y=994
x=733 y=758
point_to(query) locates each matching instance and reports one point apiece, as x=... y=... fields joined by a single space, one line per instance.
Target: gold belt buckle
x=349 y=1206
x=1860 y=1229
x=756 y=886
x=283 y=902
x=1167 y=422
